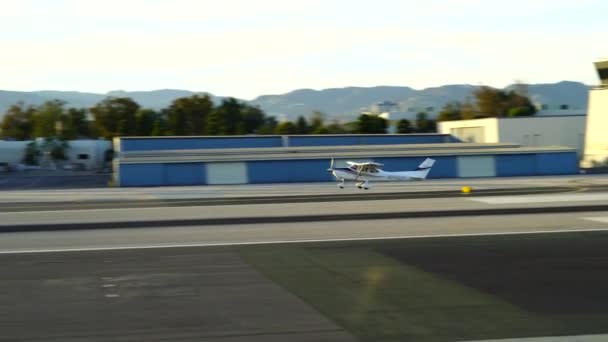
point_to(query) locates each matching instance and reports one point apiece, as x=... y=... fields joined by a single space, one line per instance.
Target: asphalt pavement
x=162 y=295
x=171 y=273
x=519 y=286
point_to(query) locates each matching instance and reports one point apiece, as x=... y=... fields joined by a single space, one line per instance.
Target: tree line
x=489 y=103
x=187 y=116
x=122 y=116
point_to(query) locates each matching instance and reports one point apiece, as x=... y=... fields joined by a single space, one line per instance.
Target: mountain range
x=340 y=103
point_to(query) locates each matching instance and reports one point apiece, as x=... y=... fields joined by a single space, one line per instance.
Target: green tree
x=519 y=111
x=519 y=105
x=424 y=124
x=404 y=126
x=56 y=148
x=451 y=111
x=146 y=119
x=160 y=126
x=286 y=127
x=270 y=123
x=18 y=122
x=189 y=115
x=468 y=111
x=350 y=127
x=94 y=131
x=335 y=128
x=317 y=123
x=252 y=119
x=229 y=113
x=115 y=116
x=50 y=119
x=31 y=154
x=78 y=126
x=321 y=130
x=302 y=125
x=215 y=123
x=489 y=101
x=492 y=102
x=371 y=124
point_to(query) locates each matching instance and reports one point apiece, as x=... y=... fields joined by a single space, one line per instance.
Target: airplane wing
x=364 y=164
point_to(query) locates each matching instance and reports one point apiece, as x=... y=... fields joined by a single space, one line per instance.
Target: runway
x=333 y=270
x=292 y=193
x=490 y=286
x=226 y=235
x=15 y=220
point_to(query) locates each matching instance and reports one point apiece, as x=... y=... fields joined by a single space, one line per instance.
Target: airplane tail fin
x=425 y=167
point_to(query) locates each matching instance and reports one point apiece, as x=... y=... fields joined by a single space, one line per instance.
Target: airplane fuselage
x=380 y=175
x=363 y=173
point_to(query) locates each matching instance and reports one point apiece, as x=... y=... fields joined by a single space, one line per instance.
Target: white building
x=87 y=154
x=11 y=152
x=596 y=142
x=564 y=130
x=559 y=112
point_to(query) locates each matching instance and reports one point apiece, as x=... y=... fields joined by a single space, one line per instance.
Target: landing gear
x=363 y=185
x=366 y=185
x=341 y=184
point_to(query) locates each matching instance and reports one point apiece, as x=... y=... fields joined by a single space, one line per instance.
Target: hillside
x=343 y=103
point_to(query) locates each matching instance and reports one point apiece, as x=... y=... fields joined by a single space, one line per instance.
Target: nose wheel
x=341 y=184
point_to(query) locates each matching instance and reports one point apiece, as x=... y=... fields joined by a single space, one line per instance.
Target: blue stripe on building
x=184 y=173
x=516 y=165
x=562 y=163
x=287 y=171
x=193 y=143
x=141 y=174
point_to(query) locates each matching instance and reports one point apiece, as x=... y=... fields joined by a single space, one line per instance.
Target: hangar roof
x=327 y=152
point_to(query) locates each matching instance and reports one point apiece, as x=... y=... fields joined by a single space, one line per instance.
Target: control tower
x=596 y=135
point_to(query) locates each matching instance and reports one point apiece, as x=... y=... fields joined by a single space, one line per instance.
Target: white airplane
x=362 y=173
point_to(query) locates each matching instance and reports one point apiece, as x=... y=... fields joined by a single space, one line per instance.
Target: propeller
x=331 y=165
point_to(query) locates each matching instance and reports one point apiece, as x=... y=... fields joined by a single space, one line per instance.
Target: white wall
x=12 y=152
x=94 y=149
x=566 y=131
x=227 y=173
x=476 y=166
x=596 y=139
x=488 y=127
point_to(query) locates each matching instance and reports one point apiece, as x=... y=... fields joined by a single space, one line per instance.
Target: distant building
x=431 y=111
x=384 y=107
x=532 y=131
x=596 y=142
x=81 y=154
x=560 y=109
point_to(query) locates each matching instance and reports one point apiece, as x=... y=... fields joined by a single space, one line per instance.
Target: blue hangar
x=170 y=161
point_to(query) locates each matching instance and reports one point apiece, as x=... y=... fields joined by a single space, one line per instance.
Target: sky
x=247 y=48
